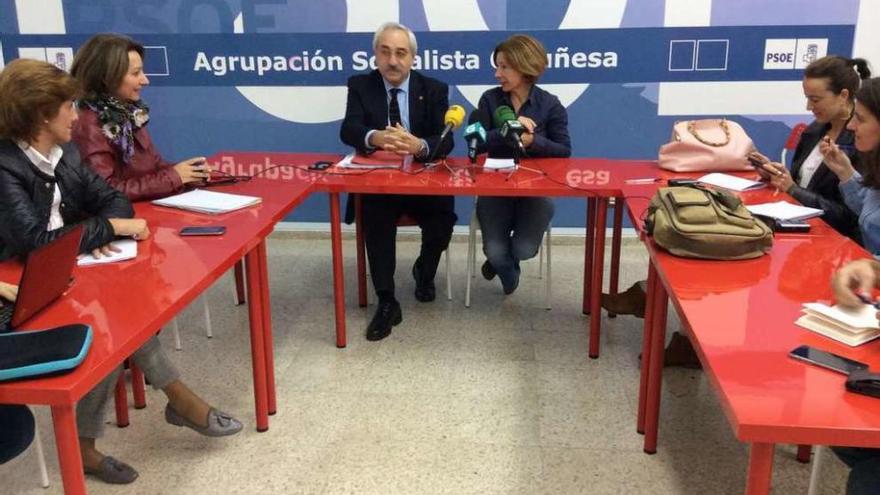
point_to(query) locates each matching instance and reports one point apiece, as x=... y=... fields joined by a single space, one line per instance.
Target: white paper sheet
x=127 y=250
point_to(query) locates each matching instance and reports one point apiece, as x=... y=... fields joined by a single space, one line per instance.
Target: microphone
x=474 y=133
x=453 y=119
x=510 y=128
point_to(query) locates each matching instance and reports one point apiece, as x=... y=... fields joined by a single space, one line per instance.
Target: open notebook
x=210 y=202
x=785 y=211
x=850 y=326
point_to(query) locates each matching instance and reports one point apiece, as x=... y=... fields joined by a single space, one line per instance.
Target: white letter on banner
x=201 y=62
x=610 y=59
x=472 y=62
x=359 y=60
x=264 y=63
x=219 y=66
x=317 y=62
x=562 y=59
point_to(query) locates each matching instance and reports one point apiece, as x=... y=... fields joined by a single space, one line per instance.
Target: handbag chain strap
x=692 y=128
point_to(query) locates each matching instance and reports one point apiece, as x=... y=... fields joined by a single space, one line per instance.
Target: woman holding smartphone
x=830 y=84
x=111 y=132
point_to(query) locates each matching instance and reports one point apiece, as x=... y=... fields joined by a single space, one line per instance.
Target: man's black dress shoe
x=387 y=315
x=425 y=290
x=488 y=270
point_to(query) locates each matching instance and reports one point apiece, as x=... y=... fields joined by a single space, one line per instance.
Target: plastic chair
x=472 y=260
x=791 y=143
x=402 y=221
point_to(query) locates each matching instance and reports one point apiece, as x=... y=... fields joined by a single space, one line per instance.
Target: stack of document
x=499 y=164
x=379 y=159
x=731 y=182
x=127 y=250
x=210 y=202
x=850 y=326
x=785 y=211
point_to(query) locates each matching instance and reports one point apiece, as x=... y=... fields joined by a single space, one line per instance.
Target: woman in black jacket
x=830 y=84
x=46 y=190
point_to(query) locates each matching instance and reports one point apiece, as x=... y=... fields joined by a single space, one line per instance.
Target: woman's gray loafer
x=220 y=424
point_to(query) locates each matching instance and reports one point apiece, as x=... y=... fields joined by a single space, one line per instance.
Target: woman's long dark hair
x=869 y=96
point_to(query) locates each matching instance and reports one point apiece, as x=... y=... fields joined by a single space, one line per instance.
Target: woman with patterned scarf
x=113 y=141
x=111 y=132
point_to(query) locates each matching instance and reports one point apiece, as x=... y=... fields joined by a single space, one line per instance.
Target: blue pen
x=867 y=300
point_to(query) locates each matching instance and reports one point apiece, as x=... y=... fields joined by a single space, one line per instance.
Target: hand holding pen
x=853 y=283
x=867 y=300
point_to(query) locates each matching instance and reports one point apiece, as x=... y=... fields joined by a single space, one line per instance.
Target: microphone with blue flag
x=474 y=134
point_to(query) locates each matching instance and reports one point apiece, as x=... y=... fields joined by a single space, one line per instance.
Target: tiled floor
x=498 y=398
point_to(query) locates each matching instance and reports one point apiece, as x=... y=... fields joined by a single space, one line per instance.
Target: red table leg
x=361 y=256
x=258 y=347
x=804 y=453
x=646 y=348
x=596 y=283
x=138 y=389
x=121 y=402
x=67 y=443
x=655 y=372
x=588 y=252
x=338 y=281
x=267 y=328
x=239 y=282
x=614 y=276
x=760 y=469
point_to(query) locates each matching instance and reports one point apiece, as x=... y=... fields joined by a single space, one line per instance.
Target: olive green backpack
x=697 y=222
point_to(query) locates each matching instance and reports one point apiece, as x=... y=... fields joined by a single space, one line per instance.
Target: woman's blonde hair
x=524 y=54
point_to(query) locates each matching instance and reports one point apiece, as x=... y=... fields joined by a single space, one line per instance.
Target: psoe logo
x=787 y=54
x=60 y=57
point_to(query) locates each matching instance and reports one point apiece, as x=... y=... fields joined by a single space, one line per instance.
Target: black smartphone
x=320 y=165
x=758 y=164
x=827 y=360
x=208 y=230
x=682 y=182
x=794 y=227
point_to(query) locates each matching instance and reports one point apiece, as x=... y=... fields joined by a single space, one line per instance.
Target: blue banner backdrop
x=610 y=79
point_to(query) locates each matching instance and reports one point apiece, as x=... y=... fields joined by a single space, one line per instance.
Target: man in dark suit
x=396 y=109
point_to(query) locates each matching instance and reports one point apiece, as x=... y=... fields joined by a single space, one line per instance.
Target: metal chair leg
x=448 y=276
x=208 y=330
x=41 y=457
x=175 y=331
x=471 y=257
x=548 y=295
x=816 y=470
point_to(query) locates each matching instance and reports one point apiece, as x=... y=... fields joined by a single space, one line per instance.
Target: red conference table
x=595 y=179
x=125 y=303
x=741 y=317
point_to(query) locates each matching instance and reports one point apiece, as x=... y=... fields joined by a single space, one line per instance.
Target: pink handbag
x=706 y=145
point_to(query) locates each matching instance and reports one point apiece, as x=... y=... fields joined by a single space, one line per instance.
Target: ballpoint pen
x=867 y=300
